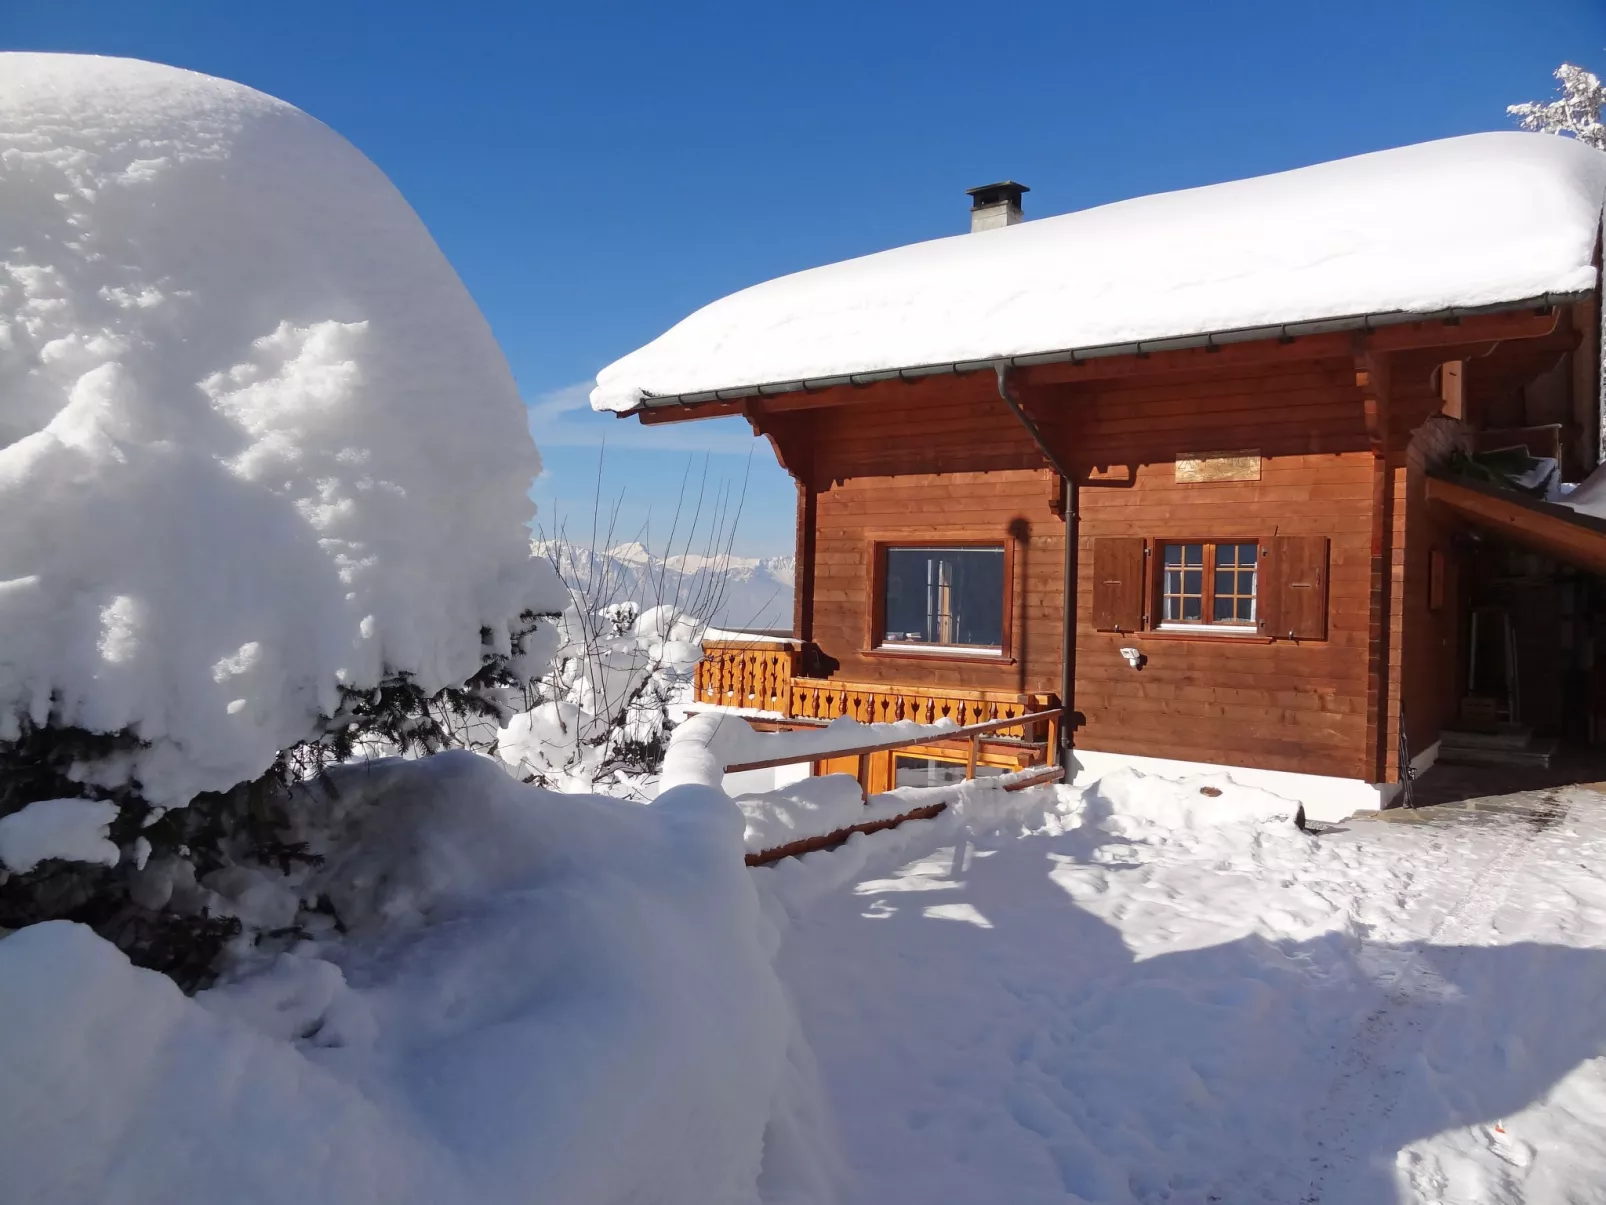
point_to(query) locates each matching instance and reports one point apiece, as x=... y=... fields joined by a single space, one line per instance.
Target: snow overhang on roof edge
x=1073 y=355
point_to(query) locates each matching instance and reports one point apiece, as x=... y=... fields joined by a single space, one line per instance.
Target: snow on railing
x=974 y=731
x=1020 y=780
x=896 y=805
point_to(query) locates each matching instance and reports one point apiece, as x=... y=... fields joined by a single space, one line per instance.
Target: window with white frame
x=1209 y=584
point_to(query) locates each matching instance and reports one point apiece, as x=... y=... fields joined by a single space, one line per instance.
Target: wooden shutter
x=1294 y=587
x=1118 y=569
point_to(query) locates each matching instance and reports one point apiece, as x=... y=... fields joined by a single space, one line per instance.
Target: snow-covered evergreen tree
x=263 y=472
x=1576 y=113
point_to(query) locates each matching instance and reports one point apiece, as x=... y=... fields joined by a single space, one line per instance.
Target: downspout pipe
x=1068 y=503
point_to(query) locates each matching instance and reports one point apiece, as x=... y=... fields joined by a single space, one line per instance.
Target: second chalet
x=1267 y=475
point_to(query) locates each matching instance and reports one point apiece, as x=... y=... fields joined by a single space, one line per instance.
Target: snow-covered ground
x=537 y=997
x=1137 y=1004
x=1135 y=993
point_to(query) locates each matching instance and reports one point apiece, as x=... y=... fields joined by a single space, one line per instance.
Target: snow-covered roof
x=1464 y=223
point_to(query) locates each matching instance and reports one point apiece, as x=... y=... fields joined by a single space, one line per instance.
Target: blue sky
x=597 y=171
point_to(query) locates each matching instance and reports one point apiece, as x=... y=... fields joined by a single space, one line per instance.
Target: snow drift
x=1474 y=221
x=256 y=441
x=541 y=997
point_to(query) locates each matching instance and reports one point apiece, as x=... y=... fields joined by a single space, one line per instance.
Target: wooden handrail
x=925 y=738
x=1035 y=777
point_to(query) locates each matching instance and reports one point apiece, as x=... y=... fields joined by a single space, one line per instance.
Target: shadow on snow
x=989 y=1039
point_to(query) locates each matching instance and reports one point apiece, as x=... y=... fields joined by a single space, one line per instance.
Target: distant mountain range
x=748 y=593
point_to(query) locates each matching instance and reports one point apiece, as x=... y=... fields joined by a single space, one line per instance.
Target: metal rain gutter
x=1075 y=355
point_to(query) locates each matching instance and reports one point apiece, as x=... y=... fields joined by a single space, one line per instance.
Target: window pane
x=932 y=772
x=1233 y=593
x=945 y=596
x=1182 y=582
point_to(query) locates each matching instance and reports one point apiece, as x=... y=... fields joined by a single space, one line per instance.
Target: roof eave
x=1142 y=347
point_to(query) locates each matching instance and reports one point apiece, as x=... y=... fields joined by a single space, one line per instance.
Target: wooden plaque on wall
x=1220 y=466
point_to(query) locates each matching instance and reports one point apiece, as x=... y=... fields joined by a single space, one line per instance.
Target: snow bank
x=810 y=807
x=540 y=998
x=256 y=441
x=1129 y=802
x=1470 y=221
x=829 y=803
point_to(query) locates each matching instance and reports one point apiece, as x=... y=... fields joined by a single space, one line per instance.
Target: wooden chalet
x=1208 y=500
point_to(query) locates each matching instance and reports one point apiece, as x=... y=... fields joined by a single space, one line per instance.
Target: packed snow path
x=1137 y=1010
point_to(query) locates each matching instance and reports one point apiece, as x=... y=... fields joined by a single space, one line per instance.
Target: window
x=1209 y=584
x=944 y=598
x=1274 y=588
x=910 y=771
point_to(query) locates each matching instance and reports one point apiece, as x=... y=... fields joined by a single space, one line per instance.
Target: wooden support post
x=803 y=587
x=864 y=776
x=1453 y=388
x=1372 y=379
x=970 y=762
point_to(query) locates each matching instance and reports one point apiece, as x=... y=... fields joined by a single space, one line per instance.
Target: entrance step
x=1534 y=753
x=1502 y=736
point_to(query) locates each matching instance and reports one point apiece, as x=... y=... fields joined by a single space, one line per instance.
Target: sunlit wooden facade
x=1306 y=459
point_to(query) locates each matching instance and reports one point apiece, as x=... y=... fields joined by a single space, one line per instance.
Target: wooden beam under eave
x=1476 y=328
x=791 y=441
x=1372 y=378
x=1476 y=334
x=683 y=414
x=1544 y=527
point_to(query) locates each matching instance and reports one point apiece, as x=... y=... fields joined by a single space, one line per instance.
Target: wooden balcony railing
x=873 y=703
x=752 y=675
x=761 y=675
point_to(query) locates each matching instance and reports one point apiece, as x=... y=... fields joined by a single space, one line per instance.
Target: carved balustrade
x=762 y=676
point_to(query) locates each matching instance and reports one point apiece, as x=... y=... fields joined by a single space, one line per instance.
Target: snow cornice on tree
x=259 y=449
x=1481 y=223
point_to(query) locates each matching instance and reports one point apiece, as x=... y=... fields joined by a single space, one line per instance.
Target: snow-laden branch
x=1575 y=113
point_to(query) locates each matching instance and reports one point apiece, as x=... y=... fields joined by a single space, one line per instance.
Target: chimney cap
x=1005 y=191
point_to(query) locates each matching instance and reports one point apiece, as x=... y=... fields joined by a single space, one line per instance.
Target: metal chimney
x=995 y=205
